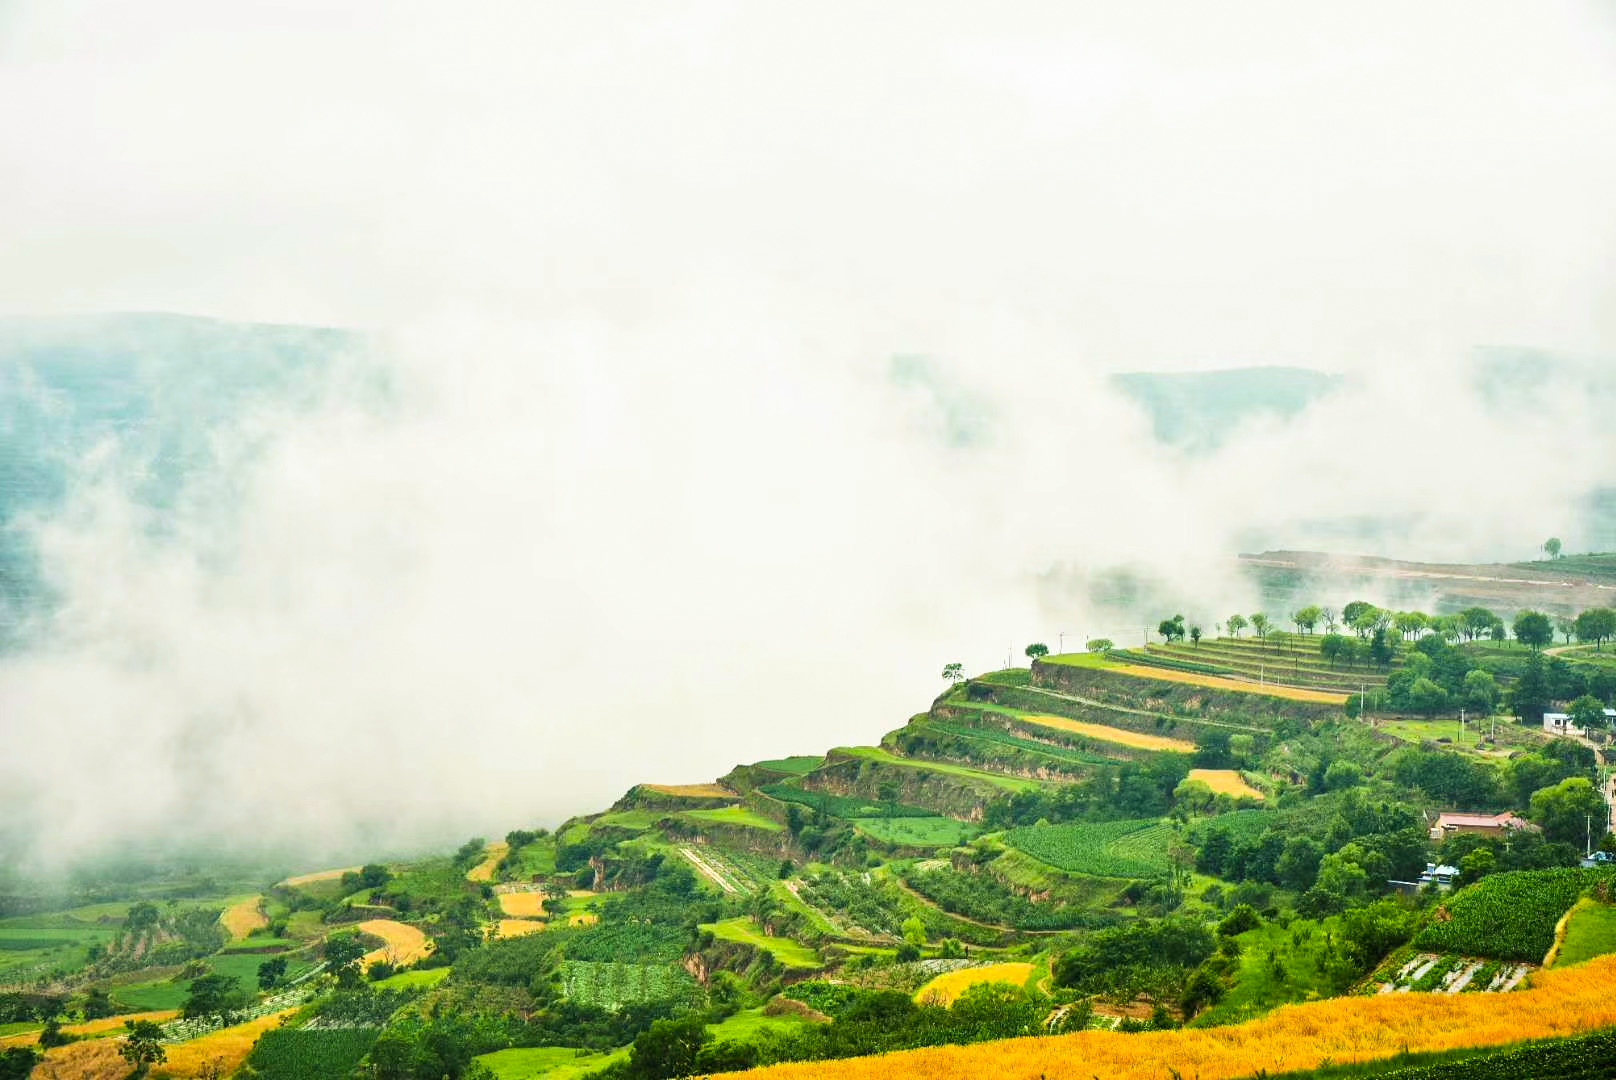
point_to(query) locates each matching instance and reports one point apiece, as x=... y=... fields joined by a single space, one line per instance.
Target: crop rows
x=1509 y=916
x=296 y=1054
x=1004 y=738
x=611 y=986
x=1592 y=1057
x=1122 y=849
x=841 y=806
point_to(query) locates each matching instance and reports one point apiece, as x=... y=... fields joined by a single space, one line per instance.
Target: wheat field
x=244 y=917
x=699 y=791
x=1120 y=736
x=509 y=928
x=522 y=905
x=405 y=944
x=1225 y=782
x=946 y=987
x=1345 y=1030
x=1219 y=682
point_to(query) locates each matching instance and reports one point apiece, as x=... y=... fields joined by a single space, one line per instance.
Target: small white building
x=1559 y=723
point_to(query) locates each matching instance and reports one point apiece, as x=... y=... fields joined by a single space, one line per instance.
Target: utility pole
x=1062 y=647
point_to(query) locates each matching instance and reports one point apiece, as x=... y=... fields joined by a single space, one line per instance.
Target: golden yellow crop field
x=946 y=987
x=517 y=927
x=319 y=875
x=699 y=791
x=1225 y=782
x=242 y=918
x=1120 y=736
x=97 y=1059
x=522 y=905
x=1219 y=682
x=484 y=871
x=92 y=1027
x=1293 y=1037
x=405 y=944
x=582 y=918
x=228 y=1047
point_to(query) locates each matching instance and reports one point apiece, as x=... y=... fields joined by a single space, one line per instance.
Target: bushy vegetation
x=841 y=806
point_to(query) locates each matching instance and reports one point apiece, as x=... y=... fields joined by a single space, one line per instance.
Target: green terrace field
x=1259 y=984
x=747 y=1024
x=842 y=806
x=1590 y=931
x=547 y=1062
x=926 y=832
x=742 y=929
x=27 y=953
x=792 y=766
x=1116 y=849
x=1291 y=659
x=732 y=815
x=1011 y=784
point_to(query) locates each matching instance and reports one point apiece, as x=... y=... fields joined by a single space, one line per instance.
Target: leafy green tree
x=342 y=953
x=142 y=1047
x=1236 y=624
x=1564 y=810
x=1588 y=713
x=1307 y=618
x=914 y=931
x=1533 y=628
x=669 y=1048
x=1036 y=651
x=214 y=997
x=1476 y=621
x=1530 y=697
x=1172 y=629
x=1410 y=624
x=1333 y=647
x=1551 y=547
x=1480 y=691
x=1597 y=625
x=1260 y=626
x=1342 y=775
x=1099 y=645
x=271 y=971
x=1194 y=795
x=954 y=672
x=1426 y=697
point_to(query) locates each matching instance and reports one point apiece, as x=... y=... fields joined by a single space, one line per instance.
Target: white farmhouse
x=1559 y=723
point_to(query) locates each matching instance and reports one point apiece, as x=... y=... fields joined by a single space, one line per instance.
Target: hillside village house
x=1559 y=723
x=1447 y=824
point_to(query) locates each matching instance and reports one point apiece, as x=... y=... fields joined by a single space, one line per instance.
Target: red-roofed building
x=1483 y=824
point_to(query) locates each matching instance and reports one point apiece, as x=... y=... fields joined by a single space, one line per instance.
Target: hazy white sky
x=1140 y=185
x=648 y=502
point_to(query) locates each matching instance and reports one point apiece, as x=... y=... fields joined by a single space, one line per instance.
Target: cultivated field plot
x=1508 y=916
x=548 y=1062
x=509 y=928
x=1590 y=931
x=1292 y=1038
x=243 y=917
x=485 y=870
x=1431 y=973
x=926 y=832
x=743 y=929
x=1225 y=782
x=319 y=876
x=731 y=875
x=800 y=765
x=945 y=988
x=691 y=791
x=611 y=986
x=733 y=815
x=1211 y=682
x=522 y=905
x=998 y=780
x=91 y=1027
x=297 y=1054
x=1119 y=736
x=404 y=944
x=1120 y=849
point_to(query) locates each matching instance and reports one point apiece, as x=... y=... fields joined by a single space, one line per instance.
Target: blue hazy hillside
x=148 y=388
x=1199 y=411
